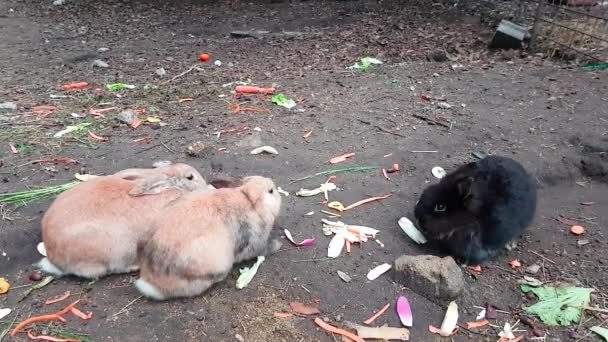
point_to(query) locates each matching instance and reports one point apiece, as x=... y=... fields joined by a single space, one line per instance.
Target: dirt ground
x=551 y=117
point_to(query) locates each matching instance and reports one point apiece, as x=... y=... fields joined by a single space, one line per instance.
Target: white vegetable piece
x=408 y=228
x=267 y=149
x=378 y=271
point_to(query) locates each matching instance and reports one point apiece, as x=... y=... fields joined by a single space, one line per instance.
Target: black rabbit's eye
x=190 y=177
x=271 y=191
x=439 y=208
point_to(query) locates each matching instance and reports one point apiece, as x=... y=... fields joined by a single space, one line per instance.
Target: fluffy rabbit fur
x=204 y=234
x=478 y=209
x=93 y=229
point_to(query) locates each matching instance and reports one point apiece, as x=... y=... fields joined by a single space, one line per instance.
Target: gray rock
x=161 y=72
x=100 y=64
x=438 y=56
x=8 y=107
x=533 y=269
x=438 y=279
x=127 y=116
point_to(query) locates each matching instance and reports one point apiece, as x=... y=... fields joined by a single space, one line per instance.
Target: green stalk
x=337 y=171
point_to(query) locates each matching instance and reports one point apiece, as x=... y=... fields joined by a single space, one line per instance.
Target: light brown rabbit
x=93 y=229
x=203 y=234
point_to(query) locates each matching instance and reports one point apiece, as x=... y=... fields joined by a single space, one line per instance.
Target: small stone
x=170 y=59
x=552 y=99
x=8 y=107
x=530 y=295
x=438 y=279
x=58 y=2
x=196 y=149
x=533 y=269
x=239 y=338
x=100 y=64
x=35 y=276
x=444 y=105
x=160 y=72
x=103 y=49
x=438 y=56
x=127 y=116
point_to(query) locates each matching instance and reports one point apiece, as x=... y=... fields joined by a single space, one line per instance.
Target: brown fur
x=93 y=229
x=216 y=230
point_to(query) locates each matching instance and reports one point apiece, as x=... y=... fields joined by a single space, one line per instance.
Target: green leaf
x=603 y=332
x=558 y=305
x=282 y=101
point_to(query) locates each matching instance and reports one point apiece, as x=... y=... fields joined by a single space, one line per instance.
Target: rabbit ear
x=226 y=183
x=131 y=174
x=465 y=186
x=151 y=186
x=253 y=192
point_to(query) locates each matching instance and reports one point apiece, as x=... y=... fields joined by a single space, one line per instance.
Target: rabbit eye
x=271 y=191
x=439 y=208
x=190 y=177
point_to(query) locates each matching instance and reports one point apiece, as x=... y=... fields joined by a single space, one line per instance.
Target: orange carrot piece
x=377 y=314
x=58 y=299
x=81 y=314
x=367 y=200
x=515 y=263
x=339 y=159
x=47 y=338
x=338 y=331
x=35 y=319
x=97 y=137
x=136 y=123
x=67 y=308
x=253 y=90
x=477 y=324
x=576 y=230
x=75 y=85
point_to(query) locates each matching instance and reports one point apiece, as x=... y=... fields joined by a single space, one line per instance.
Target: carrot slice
x=385 y=174
x=367 y=200
x=477 y=324
x=81 y=314
x=577 y=230
x=35 y=319
x=377 y=314
x=339 y=159
x=338 y=331
x=67 y=308
x=283 y=315
x=97 y=137
x=58 y=299
x=47 y=338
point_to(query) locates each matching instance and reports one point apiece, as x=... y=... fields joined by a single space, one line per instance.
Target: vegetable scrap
x=338 y=171
x=339 y=207
x=365 y=63
x=97 y=137
x=282 y=192
x=248 y=273
x=204 y=57
x=142 y=140
x=4 y=286
x=232 y=130
x=78 y=85
x=44 y=282
x=22 y=198
x=515 y=263
x=13 y=149
x=186 y=99
x=70 y=129
x=558 y=305
x=449 y=326
x=237 y=109
x=41 y=248
x=410 y=230
x=304 y=243
x=267 y=149
x=244 y=89
x=481 y=314
x=332 y=329
x=377 y=314
x=5 y=312
x=336 y=244
x=307 y=135
x=603 y=332
x=100 y=111
x=47 y=338
x=282 y=101
x=577 y=230
x=507 y=332
x=57 y=316
x=339 y=159
x=323 y=188
x=119 y=86
x=393 y=168
x=43 y=111
x=302 y=309
x=404 y=311
x=476 y=269
x=378 y=271
x=283 y=315
x=62 y=160
x=385 y=174
x=58 y=299
x=438 y=172
x=383 y=333
x=477 y=324
x=345 y=233
x=137 y=123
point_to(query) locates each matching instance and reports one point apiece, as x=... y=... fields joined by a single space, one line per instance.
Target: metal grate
x=573 y=30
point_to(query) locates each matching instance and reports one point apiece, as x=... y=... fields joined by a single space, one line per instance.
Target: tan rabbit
x=203 y=234
x=93 y=229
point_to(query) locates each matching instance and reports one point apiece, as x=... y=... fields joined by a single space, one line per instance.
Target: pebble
x=444 y=105
x=8 y=107
x=36 y=276
x=438 y=56
x=239 y=338
x=533 y=269
x=160 y=72
x=530 y=295
x=100 y=64
x=196 y=149
x=582 y=242
x=103 y=49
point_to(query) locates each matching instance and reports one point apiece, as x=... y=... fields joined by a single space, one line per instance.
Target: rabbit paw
x=511 y=245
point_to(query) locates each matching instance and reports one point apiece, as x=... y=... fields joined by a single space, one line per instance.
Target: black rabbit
x=478 y=209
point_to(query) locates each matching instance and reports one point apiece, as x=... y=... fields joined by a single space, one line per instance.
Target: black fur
x=482 y=207
x=243 y=238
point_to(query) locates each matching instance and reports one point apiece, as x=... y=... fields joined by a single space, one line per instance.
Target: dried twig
x=194 y=67
x=542 y=256
x=431 y=121
x=381 y=128
x=124 y=309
